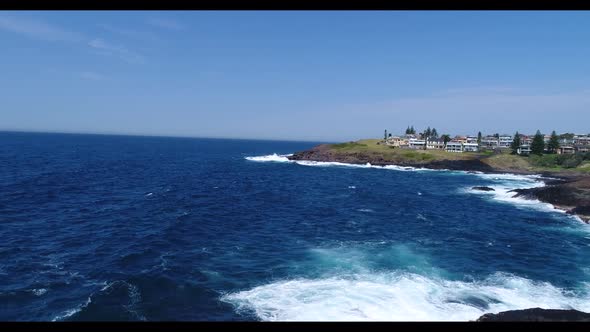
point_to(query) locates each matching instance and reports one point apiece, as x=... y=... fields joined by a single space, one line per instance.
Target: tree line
x=538 y=143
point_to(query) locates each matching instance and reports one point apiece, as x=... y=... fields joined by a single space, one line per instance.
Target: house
x=566 y=149
x=471 y=139
x=454 y=146
x=462 y=139
x=546 y=138
x=489 y=142
x=504 y=141
x=524 y=149
x=438 y=144
x=416 y=143
x=582 y=140
x=396 y=141
x=582 y=147
x=566 y=141
x=470 y=147
x=526 y=140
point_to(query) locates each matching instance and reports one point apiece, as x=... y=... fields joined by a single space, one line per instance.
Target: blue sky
x=296 y=75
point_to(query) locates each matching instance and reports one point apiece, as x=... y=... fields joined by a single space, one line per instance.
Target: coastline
x=564 y=191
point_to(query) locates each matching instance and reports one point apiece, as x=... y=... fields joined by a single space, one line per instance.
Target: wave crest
x=398 y=297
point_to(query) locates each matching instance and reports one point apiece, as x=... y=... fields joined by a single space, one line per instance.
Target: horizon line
x=158 y=135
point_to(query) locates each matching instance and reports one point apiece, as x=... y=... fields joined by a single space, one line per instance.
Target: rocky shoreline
x=567 y=192
x=537 y=315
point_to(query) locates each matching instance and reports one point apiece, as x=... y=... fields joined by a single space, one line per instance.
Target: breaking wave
x=399 y=297
x=504 y=184
x=283 y=158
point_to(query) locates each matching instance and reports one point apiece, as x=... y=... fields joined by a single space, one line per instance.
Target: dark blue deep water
x=148 y=228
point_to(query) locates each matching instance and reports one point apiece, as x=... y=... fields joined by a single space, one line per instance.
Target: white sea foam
x=272 y=157
x=71 y=312
x=399 y=297
x=350 y=288
x=283 y=158
x=505 y=183
x=39 y=291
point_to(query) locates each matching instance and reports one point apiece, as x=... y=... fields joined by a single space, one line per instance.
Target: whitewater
x=417 y=290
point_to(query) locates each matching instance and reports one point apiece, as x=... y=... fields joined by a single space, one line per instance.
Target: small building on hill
x=454 y=146
x=524 y=149
x=470 y=147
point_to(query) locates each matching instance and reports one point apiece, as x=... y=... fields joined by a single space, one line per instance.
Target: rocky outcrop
x=537 y=315
x=482 y=188
x=571 y=195
x=324 y=153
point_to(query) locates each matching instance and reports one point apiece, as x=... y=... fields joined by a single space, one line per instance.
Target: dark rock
x=537 y=315
x=583 y=209
x=483 y=188
x=324 y=152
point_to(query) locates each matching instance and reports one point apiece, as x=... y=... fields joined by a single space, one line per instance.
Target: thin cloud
x=116 y=51
x=166 y=23
x=37 y=29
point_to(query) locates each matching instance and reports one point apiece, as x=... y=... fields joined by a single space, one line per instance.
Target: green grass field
x=370 y=147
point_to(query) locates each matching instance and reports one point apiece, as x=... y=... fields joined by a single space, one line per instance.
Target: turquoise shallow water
x=148 y=228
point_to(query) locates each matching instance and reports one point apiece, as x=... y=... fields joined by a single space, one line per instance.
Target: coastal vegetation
x=503 y=160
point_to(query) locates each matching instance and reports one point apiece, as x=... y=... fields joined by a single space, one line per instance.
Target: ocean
x=98 y=227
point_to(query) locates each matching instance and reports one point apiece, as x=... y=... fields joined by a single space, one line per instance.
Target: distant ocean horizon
x=152 y=228
x=33 y=132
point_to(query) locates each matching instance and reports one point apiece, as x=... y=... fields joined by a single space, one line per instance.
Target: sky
x=294 y=75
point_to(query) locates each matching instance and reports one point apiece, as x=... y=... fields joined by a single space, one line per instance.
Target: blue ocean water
x=149 y=228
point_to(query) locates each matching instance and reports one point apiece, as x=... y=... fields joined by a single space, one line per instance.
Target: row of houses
x=578 y=143
x=459 y=144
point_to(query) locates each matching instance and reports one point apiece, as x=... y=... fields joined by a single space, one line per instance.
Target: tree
x=385 y=135
x=412 y=130
x=408 y=130
x=446 y=138
x=389 y=135
x=567 y=136
x=553 y=143
x=434 y=133
x=538 y=144
x=428 y=132
x=479 y=137
x=497 y=135
x=515 y=145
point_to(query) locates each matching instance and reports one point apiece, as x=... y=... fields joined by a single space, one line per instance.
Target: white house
x=454 y=146
x=470 y=147
x=504 y=141
x=489 y=142
x=438 y=144
x=524 y=149
x=416 y=143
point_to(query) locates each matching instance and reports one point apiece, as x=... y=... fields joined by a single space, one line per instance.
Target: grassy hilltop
x=370 y=149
